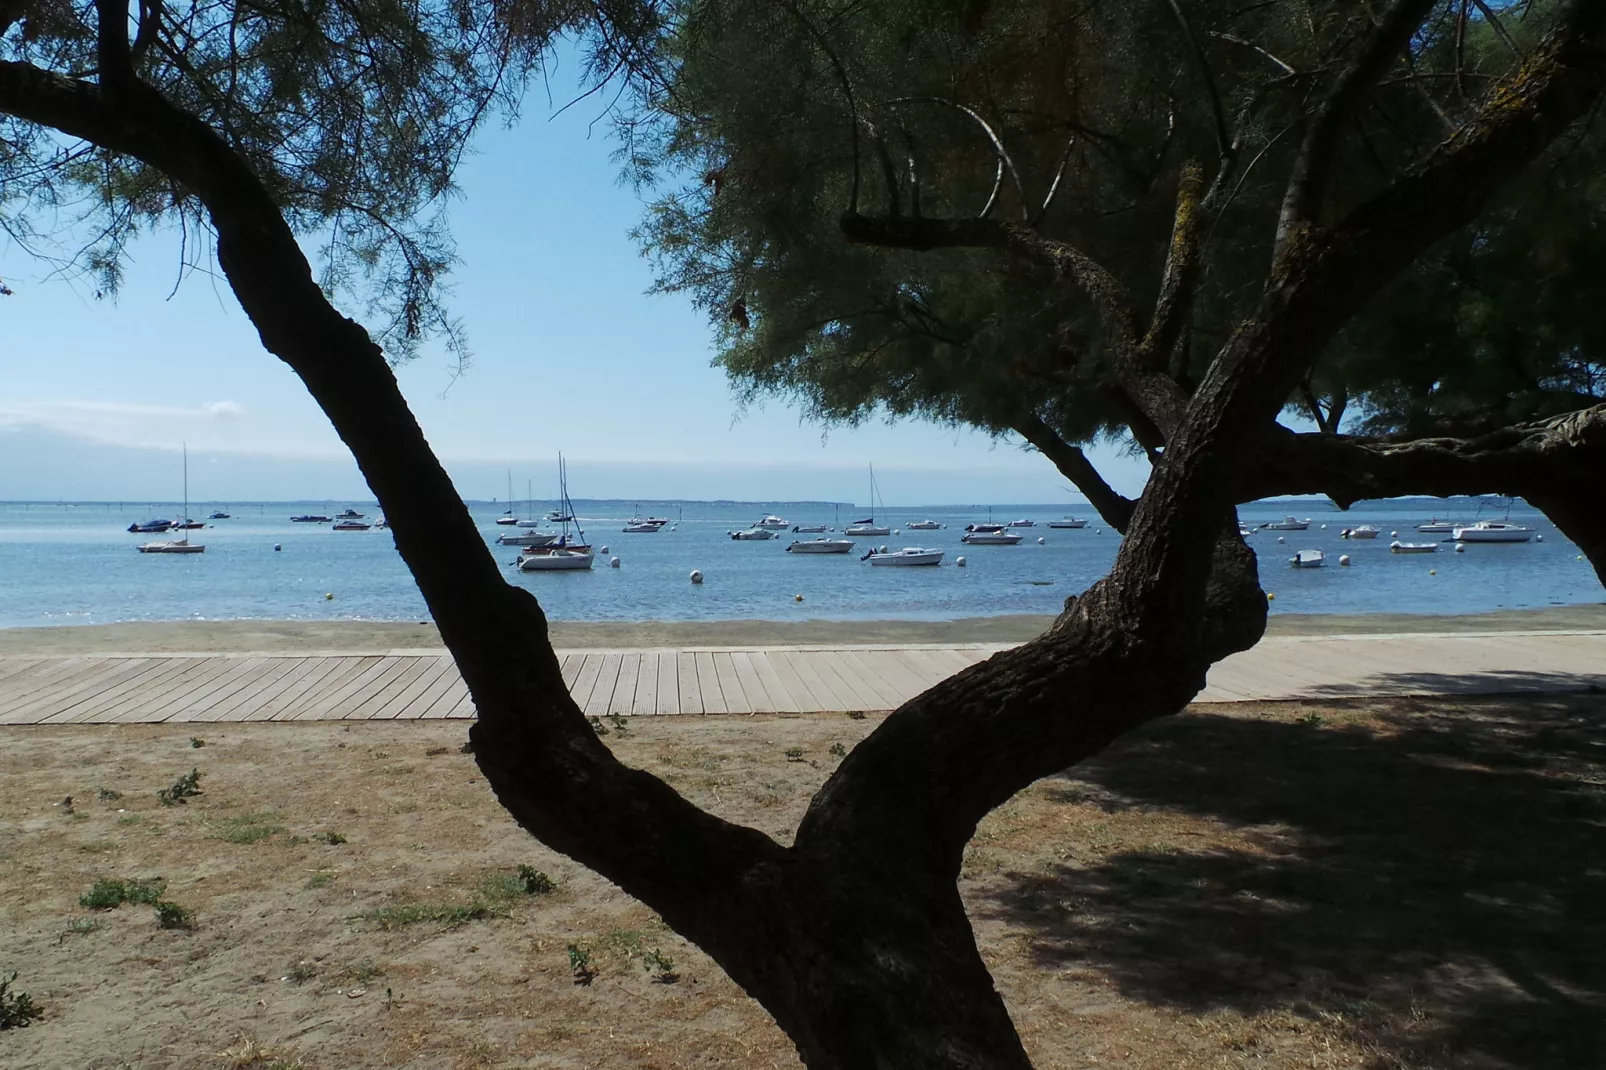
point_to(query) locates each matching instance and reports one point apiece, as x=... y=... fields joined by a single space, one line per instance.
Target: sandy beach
x=231 y=636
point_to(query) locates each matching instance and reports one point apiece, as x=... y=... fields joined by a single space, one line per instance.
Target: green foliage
x=793 y=754
x=661 y=966
x=580 y=965
x=247 y=828
x=108 y=893
x=448 y=915
x=185 y=787
x=173 y=916
x=838 y=751
x=196 y=742
x=534 y=882
x=329 y=837
x=1102 y=103
x=17 y=1009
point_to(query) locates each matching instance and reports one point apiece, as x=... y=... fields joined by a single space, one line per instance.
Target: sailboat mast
x=185 y=446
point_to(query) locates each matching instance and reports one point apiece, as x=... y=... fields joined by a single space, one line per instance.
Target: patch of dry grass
x=1410 y=884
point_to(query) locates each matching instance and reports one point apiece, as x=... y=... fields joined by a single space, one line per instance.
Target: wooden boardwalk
x=416 y=684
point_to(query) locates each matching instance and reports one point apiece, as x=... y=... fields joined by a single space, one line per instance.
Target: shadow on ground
x=1492 y=682
x=1435 y=872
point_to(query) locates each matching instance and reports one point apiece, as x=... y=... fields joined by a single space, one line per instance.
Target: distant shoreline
x=235 y=636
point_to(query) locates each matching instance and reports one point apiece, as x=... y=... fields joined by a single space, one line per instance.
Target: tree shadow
x=1442 y=860
x=1492 y=682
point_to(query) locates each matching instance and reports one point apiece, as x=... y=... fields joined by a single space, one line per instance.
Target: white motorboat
x=1398 y=547
x=149 y=527
x=923 y=525
x=773 y=523
x=808 y=529
x=820 y=546
x=1436 y=527
x=556 y=559
x=1365 y=531
x=349 y=514
x=909 y=555
x=220 y=515
x=1307 y=559
x=176 y=546
x=559 y=516
x=989 y=535
x=640 y=527
x=1493 y=531
x=752 y=535
x=1288 y=523
x=560 y=555
x=351 y=525
x=1023 y=523
x=527 y=538
x=1068 y=522
x=1244 y=533
x=381 y=523
x=311 y=518
x=186 y=524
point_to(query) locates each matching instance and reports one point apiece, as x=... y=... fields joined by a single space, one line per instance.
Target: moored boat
x=350 y=525
x=150 y=527
x=1288 y=523
x=1493 y=531
x=773 y=523
x=909 y=555
x=808 y=529
x=923 y=525
x=1023 y=523
x=989 y=535
x=1398 y=547
x=752 y=535
x=349 y=514
x=820 y=546
x=1436 y=527
x=559 y=554
x=311 y=518
x=1308 y=559
x=1068 y=522
x=177 y=546
x=220 y=516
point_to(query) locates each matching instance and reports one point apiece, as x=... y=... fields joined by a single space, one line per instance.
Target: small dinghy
x=1307 y=559
x=1398 y=547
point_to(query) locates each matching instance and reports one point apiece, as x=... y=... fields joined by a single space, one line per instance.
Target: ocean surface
x=74 y=563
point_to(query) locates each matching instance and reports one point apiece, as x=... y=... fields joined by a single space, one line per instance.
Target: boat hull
x=556 y=561
x=1067 y=523
x=989 y=538
x=1413 y=547
x=171 y=548
x=1308 y=559
x=924 y=525
x=526 y=538
x=752 y=535
x=866 y=529
x=821 y=546
x=907 y=557
x=1492 y=534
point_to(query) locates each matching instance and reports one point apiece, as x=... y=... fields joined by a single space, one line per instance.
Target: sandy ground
x=1227 y=889
x=239 y=635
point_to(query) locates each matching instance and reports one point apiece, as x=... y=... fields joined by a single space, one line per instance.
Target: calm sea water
x=75 y=564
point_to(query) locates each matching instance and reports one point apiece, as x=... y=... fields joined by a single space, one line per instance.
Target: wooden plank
x=826 y=693
x=12 y=668
x=890 y=675
x=464 y=709
x=859 y=695
x=601 y=695
x=730 y=686
x=623 y=699
x=152 y=704
x=354 y=674
x=646 y=699
x=433 y=669
x=708 y=684
x=448 y=685
x=668 y=700
x=58 y=703
x=691 y=694
x=328 y=703
x=758 y=699
x=105 y=706
x=128 y=704
x=872 y=674
x=285 y=670
x=928 y=670
x=398 y=685
x=198 y=705
x=587 y=680
x=571 y=669
x=35 y=686
x=796 y=690
x=781 y=698
x=294 y=691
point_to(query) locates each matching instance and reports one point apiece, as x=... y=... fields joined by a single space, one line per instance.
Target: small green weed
x=838 y=751
x=793 y=754
x=358 y=973
x=321 y=878
x=108 y=795
x=108 y=893
x=95 y=847
x=300 y=972
x=247 y=828
x=856 y=715
x=661 y=966
x=432 y=752
x=597 y=726
x=185 y=787
x=619 y=725
x=197 y=743
x=173 y=916
x=535 y=882
x=580 y=965
x=17 y=1009
x=80 y=926
x=1313 y=720
x=331 y=838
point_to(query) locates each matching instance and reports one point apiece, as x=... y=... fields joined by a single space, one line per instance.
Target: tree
x=1080 y=126
x=854 y=937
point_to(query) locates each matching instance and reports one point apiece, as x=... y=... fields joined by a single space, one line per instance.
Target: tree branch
x=1073 y=464
x=111 y=44
x=1175 y=303
x=1313 y=164
x=1224 y=143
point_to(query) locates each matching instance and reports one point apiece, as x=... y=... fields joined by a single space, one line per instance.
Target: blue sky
x=568 y=353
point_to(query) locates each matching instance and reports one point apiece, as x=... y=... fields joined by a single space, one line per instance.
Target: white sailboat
x=868 y=526
x=176 y=546
x=507 y=518
x=562 y=555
